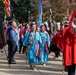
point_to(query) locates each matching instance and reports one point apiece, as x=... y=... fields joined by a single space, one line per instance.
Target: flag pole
x=40 y=12
x=5 y=16
x=50 y=14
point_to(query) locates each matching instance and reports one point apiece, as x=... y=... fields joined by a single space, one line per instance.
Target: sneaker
x=44 y=64
x=34 y=69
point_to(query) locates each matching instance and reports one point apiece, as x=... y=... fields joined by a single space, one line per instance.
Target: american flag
x=7 y=7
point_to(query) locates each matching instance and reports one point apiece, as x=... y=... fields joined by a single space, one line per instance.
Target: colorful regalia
x=33 y=51
x=44 y=46
x=68 y=43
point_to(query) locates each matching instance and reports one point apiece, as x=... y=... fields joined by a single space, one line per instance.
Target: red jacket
x=57 y=39
x=68 y=43
x=66 y=40
x=20 y=33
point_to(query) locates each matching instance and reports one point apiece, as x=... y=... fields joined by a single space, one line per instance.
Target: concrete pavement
x=53 y=67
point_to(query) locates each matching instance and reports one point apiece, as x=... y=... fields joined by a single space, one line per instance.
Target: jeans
x=12 y=48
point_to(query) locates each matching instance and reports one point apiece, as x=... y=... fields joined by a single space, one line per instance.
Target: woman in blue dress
x=45 y=45
x=32 y=41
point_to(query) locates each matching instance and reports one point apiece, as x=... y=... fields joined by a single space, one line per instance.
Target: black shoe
x=7 y=57
x=23 y=52
x=66 y=69
x=31 y=66
x=11 y=62
x=19 y=52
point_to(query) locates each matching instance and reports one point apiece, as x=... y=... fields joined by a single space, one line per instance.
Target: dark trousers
x=57 y=53
x=21 y=44
x=12 y=48
x=24 y=49
x=71 y=70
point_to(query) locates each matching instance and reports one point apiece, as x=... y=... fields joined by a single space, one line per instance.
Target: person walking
x=45 y=45
x=32 y=42
x=11 y=38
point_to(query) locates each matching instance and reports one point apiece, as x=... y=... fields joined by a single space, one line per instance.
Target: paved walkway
x=53 y=67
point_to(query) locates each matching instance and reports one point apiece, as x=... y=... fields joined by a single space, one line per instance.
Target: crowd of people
x=28 y=39
x=38 y=41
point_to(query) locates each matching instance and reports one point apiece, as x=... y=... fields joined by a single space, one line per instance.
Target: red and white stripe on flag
x=7 y=7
